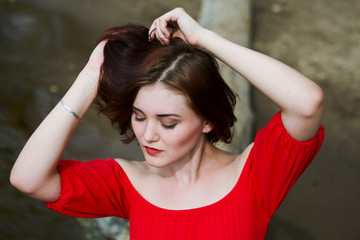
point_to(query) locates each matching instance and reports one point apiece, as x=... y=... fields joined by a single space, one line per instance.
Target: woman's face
x=167 y=129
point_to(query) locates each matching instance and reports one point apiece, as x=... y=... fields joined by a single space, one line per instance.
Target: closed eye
x=139 y=119
x=172 y=126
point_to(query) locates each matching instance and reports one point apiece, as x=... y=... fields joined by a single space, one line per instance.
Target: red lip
x=152 y=151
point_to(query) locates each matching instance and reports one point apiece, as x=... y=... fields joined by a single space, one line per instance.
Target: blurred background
x=45 y=44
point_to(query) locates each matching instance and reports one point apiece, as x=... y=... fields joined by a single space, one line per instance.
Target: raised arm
x=300 y=99
x=34 y=172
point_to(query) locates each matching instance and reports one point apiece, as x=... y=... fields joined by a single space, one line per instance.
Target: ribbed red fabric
x=101 y=188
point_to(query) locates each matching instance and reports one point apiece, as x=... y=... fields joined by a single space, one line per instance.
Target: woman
x=169 y=96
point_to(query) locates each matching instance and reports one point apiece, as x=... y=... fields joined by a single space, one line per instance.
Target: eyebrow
x=158 y=115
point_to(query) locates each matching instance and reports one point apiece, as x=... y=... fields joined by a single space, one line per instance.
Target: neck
x=188 y=170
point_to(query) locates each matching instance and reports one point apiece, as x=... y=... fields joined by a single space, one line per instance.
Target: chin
x=155 y=162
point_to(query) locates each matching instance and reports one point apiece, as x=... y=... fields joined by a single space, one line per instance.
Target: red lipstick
x=152 y=151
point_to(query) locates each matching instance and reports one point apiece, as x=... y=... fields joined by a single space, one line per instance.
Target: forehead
x=160 y=99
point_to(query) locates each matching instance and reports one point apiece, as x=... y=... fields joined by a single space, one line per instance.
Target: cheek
x=184 y=138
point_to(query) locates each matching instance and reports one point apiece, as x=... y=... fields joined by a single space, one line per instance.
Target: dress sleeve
x=277 y=161
x=91 y=189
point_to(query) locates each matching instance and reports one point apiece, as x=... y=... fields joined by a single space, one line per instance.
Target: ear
x=208 y=127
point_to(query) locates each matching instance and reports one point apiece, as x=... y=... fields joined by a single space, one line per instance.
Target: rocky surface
x=219 y=16
x=321 y=40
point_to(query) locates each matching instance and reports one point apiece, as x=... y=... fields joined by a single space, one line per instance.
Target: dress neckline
x=187 y=210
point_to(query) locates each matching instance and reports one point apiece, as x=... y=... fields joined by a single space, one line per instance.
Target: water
x=43 y=46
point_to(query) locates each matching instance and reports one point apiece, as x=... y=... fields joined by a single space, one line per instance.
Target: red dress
x=101 y=188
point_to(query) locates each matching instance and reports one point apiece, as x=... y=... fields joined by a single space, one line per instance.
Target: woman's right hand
x=97 y=57
x=35 y=170
x=184 y=25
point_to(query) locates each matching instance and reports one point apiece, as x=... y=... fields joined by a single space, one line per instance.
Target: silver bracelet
x=69 y=109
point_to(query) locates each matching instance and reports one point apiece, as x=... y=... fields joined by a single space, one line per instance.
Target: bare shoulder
x=133 y=169
x=241 y=159
x=232 y=163
x=138 y=173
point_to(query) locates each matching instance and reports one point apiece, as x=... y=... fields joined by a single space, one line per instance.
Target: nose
x=151 y=134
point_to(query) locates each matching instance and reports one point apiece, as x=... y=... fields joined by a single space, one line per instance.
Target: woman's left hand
x=185 y=27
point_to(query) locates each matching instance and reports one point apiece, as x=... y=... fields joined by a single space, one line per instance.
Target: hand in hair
x=299 y=98
x=35 y=170
x=97 y=57
x=183 y=25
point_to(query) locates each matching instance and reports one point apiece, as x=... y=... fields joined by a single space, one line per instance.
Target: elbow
x=17 y=182
x=21 y=183
x=318 y=101
x=314 y=103
x=14 y=179
x=36 y=185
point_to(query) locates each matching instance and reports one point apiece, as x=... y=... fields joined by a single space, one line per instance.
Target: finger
x=162 y=33
x=163 y=23
x=99 y=49
x=152 y=33
x=169 y=19
x=102 y=44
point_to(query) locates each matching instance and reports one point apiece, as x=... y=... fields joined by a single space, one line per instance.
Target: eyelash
x=139 y=119
x=172 y=126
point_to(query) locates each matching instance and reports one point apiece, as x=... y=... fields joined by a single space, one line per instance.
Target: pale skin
x=189 y=172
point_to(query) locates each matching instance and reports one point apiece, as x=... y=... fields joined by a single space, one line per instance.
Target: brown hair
x=131 y=62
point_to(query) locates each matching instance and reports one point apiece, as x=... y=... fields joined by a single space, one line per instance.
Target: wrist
x=88 y=81
x=89 y=75
x=91 y=70
x=204 y=37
